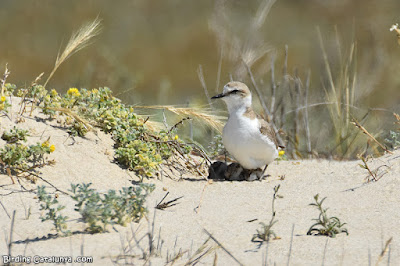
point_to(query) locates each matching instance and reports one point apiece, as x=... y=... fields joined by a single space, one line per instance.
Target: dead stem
x=359 y=126
x=3 y=80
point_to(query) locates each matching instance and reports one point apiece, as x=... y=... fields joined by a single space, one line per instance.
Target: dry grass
x=341 y=92
x=249 y=48
x=295 y=106
x=78 y=41
x=3 y=80
x=72 y=114
x=201 y=115
x=384 y=251
x=357 y=124
x=397 y=118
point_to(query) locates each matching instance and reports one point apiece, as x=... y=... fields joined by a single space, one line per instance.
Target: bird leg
x=263 y=172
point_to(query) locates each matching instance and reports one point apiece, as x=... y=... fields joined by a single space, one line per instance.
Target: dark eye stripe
x=234 y=91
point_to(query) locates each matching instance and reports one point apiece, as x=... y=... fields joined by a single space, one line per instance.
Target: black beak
x=218 y=96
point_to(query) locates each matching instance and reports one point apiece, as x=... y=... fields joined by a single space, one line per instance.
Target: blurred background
x=149 y=53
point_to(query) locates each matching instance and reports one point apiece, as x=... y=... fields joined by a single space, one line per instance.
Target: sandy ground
x=224 y=209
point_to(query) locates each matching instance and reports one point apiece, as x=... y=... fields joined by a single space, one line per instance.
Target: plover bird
x=246 y=136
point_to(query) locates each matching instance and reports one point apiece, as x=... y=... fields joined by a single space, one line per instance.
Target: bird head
x=235 y=94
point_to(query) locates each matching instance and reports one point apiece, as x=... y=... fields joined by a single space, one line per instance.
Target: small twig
x=219 y=244
x=384 y=250
x=290 y=247
x=2 y=205
x=306 y=121
x=197 y=209
x=297 y=92
x=273 y=85
x=147 y=118
x=44 y=180
x=203 y=84
x=177 y=124
x=358 y=125
x=163 y=206
x=10 y=241
x=323 y=257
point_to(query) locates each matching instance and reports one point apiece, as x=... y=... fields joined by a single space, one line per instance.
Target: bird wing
x=267 y=130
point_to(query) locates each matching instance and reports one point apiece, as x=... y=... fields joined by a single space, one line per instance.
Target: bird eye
x=235 y=91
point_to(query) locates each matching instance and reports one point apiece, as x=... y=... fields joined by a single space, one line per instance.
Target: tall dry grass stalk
x=201 y=115
x=3 y=80
x=249 y=47
x=341 y=92
x=78 y=41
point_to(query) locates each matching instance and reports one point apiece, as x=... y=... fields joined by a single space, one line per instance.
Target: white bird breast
x=243 y=140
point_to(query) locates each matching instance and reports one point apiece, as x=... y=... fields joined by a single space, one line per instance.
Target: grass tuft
x=325 y=225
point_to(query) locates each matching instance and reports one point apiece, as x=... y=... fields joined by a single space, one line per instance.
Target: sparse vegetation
x=373 y=174
x=16 y=158
x=14 y=135
x=52 y=212
x=97 y=210
x=325 y=225
x=393 y=139
x=266 y=233
x=100 y=210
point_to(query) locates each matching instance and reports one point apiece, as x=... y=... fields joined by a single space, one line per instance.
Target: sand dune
x=224 y=209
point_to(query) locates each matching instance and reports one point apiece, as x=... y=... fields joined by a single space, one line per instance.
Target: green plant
x=216 y=146
x=19 y=157
x=78 y=129
x=14 y=156
x=99 y=210
x=266 y=232
x=14 y=135
x=393 y=139
x=52 y=212
x=328 y=226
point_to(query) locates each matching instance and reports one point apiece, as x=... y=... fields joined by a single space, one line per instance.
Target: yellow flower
x=176 y=137
x=53 y=93
x=52 y=148
x=3 y=99
x=95 y=91
x=74 y=92
x=281 y=153
x=45 y=144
